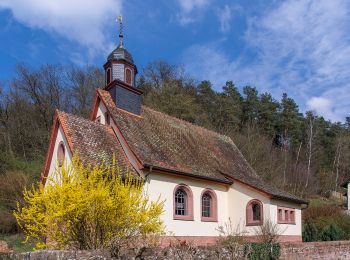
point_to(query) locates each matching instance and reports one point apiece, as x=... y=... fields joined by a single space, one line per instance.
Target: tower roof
x=120 y=53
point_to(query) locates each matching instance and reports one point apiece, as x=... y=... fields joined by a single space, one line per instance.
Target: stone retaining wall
x=316 y=250
x=305 y=251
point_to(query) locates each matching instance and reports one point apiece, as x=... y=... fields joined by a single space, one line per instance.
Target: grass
x=32 y=169
x=15 y=242
x=321 y=201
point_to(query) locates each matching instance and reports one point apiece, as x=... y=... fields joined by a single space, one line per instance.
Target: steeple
x=120 y=64
x=120 y=72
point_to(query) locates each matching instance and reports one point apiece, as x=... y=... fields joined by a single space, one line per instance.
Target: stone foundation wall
x=316 y=250
x=305 y=251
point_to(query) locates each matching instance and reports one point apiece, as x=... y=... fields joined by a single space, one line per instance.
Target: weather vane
x=120 y=21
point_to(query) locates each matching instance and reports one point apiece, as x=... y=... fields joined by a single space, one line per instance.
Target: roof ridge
x=170 y=116
x=83 y=118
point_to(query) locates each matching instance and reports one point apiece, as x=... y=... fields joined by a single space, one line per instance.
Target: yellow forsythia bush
x=88 y=208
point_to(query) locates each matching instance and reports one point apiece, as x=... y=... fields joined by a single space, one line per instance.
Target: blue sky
x=299 y=47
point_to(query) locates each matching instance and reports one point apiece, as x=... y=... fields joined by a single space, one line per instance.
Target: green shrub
x=331 y=232
x=325 y=223
x=344 y=224
x=259 y=251
x=309 y=231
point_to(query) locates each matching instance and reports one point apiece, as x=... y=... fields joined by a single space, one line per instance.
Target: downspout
x=148 y=173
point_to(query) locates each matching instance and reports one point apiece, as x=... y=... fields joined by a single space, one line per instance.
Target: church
x=201 y=175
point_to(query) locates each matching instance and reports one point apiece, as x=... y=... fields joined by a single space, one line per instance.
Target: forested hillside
x=302 y=153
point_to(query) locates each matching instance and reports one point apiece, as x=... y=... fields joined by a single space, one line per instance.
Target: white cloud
x=83 y=21
x=298 y=47
x=225 y=16
x=207 y=62
x=323 y=106
x=189 y=10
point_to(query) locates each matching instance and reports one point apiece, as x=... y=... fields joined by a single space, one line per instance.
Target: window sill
x=254 y=223
x=286 y=222
x=185 y=218
x=210 y=219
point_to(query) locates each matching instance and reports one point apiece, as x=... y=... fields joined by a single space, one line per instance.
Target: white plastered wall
x=239 y=196
x=101 y=110
x=163 y=186
x=232 y=202
x=287 y=229
x=68 y=156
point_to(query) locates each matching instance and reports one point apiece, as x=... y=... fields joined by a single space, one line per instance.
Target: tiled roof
x=169 y=143
x=94 y=143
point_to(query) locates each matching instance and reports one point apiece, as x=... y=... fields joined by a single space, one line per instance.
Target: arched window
x=60 y=154
x=208 y=205
x=108 y=76
x=254 y=213
x=128 y=78
x=183 y=203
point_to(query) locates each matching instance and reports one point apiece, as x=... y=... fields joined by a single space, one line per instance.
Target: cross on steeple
x=120 y=21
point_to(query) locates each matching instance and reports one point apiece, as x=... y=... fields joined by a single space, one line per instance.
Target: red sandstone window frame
x=108 y=77
x=189 y=204
x=213 y=207
x=61 y=154
x=285 y=215
x=126 y=76
x=249 y=213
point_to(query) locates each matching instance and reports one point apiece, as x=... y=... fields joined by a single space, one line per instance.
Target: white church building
x=202 y=176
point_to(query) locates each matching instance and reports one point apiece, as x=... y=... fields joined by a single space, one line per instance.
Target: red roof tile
x=93 y=142
x=167 y=142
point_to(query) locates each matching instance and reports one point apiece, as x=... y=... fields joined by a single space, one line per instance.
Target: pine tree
x=268 y=114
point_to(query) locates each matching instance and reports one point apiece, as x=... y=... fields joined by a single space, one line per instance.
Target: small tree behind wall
x=88 y=208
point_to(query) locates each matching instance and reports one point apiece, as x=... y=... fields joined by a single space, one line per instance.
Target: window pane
x=256 y=212
x=286 y=215
x=291 y=216
x=206 y=205
x=180 y=203
x=280 y=215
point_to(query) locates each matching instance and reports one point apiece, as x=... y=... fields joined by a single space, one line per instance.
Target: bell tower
x=120 y=73
x=120 y=64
